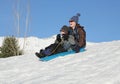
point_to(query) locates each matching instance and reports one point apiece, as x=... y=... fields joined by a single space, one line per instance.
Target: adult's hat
x=75 y=18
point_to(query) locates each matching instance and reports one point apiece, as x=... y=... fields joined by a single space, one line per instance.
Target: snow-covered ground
x=99 y=64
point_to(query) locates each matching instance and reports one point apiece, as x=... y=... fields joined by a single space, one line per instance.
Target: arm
x=71 y=40
x=82 y=37
x=58 y=38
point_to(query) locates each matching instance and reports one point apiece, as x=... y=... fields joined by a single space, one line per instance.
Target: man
x=78 y=32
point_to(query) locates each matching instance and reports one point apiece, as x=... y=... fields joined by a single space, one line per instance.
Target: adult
x=78 y=32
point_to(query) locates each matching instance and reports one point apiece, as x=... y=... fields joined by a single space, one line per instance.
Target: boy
x=63 y=43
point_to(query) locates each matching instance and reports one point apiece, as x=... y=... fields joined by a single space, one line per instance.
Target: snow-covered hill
x=99 y=64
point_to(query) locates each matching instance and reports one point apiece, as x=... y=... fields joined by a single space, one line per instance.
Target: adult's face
x=72 y=24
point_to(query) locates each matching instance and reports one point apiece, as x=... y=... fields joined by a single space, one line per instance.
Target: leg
x=40 y=54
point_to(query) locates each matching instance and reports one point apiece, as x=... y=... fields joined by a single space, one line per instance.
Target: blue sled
x=59 y=54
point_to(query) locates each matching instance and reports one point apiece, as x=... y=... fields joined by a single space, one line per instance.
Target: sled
x=48 y=58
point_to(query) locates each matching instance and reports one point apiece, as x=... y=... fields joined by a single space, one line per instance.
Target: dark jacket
x=61 y=44
x=66 y=41
x=79 y=34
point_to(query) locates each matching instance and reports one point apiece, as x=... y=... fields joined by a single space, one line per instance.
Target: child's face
x=62 y=32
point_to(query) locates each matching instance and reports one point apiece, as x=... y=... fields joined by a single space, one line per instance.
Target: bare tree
x=27 y=22
x=17 y=17
x=19 y=11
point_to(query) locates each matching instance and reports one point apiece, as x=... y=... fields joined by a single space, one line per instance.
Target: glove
x=76 y=48
x=65 y=37
x=59 y=38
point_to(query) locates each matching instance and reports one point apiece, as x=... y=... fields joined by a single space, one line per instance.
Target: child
x=63 y=43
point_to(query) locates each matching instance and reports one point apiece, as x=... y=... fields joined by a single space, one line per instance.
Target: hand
x=59 y=38
x=76 y=48
x=65 y=37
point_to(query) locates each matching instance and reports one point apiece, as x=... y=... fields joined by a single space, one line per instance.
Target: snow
x=99 y=64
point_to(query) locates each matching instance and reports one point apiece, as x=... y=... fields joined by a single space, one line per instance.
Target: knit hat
x=65 y=29
x=75 y=18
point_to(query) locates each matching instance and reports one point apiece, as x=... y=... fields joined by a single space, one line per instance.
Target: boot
x=39 y=55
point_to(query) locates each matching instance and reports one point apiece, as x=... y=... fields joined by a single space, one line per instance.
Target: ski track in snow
x=99 y=64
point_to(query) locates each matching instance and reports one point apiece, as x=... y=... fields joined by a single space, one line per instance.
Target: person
x=78 y=32
x=63 y=43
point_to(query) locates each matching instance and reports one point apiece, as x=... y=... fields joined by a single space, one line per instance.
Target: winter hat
x=65 y=29
x=75 y=18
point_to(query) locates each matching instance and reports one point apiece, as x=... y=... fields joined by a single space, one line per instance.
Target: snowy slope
x=100 y=64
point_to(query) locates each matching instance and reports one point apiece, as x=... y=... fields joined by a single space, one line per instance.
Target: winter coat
x=61 y=44
x=79 y=35
x=65 y=42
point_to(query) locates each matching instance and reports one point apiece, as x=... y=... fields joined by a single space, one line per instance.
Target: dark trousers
x=52 y=49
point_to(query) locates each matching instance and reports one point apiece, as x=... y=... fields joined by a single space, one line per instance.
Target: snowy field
x=99 y=64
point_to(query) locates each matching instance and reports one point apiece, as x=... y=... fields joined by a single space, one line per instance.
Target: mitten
x=65 y=37
x=59 y=38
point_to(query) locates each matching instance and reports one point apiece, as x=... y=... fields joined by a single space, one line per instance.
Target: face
x=62 y=32
x=72 y=24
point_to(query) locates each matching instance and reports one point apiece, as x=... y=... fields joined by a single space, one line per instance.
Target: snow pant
x=52 y=49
